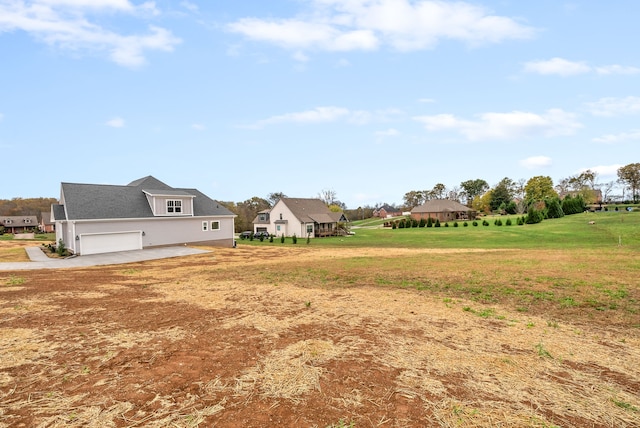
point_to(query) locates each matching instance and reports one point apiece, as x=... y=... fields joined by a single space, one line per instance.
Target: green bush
x=485 y=223
x=455 y=224
x=475 y=223
x=294 y=238
x=508 y=222
x=282 y=238
x=465 y=224
x=422 y=223
x=437 y=223
x=429 y=222
x=534 y=216
x=554 y=209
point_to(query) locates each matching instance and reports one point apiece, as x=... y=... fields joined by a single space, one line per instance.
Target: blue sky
x=367 y=98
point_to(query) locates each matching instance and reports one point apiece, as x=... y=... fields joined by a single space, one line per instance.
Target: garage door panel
x=110 y=242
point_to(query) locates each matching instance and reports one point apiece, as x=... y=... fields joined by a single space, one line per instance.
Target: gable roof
x=19 y=220
x=100 y=201
x=440 y=205
x=308 y=210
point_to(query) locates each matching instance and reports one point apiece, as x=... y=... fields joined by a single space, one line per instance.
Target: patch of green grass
x=14 y=280
x=624 y=405
x=542 y=352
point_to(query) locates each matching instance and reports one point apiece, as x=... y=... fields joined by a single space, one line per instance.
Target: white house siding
x=157 y=231
x=294 y=226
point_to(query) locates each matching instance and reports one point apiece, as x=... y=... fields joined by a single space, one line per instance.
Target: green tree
x=274 y=197
x=501 y=194
x=414 y=198
x=473 y=189
x=539 y=188
x=438 y=191
x=629 y=175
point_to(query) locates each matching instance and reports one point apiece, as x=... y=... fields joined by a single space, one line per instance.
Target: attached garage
x=96 y=243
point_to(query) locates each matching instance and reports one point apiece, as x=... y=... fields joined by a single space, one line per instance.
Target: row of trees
x=515 y=196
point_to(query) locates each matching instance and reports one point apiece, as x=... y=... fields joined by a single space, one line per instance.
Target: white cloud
x=607 y=170
x=563 y=67
x=329 y=114
x=612 y=106
x=404 y=25
x=64 y=24
x=389 y=133
x=618 y=138
x=192 y=7
x=617 y=69
x=558 y=66
x=505 y=126
x=116 y=122
x=535 y=162
x=300 y=57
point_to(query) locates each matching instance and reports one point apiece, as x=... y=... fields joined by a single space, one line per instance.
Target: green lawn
x=610 y=229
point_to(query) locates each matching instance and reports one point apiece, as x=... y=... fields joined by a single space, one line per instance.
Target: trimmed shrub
x=437 y=224
x=475 y=223
x=534 y=216
x=429 y=222
x=282 y=238
x=554 y=209
x=294 y=238
x=455 y=224
x=465 y=224
x=422 y=223
x=485 y=223
x=508 y=222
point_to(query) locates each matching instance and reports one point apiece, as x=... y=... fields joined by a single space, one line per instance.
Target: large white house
x=95 y=218
x=301 y=217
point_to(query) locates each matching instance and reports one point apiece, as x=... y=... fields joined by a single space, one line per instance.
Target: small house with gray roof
x=96 y=218
x=443 y=210
x=302 y=217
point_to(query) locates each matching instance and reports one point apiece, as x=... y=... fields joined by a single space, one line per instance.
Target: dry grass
x=307 y=337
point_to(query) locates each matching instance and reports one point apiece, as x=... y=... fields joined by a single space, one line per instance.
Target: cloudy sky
x=367 y=98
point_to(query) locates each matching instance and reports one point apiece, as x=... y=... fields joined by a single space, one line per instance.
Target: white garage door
x=96 y=243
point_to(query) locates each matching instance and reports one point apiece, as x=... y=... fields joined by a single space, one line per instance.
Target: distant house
x=301 y=217
x=46 y=225
x=95 y=218
x=387 y=211
x=443 y=210
x=19 y=224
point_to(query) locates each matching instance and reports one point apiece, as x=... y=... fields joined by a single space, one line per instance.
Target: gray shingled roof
x=99 y=201
x=307 y=210
x=440 y=205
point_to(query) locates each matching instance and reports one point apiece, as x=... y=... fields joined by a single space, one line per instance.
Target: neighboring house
x=443 y=210
x=46 y=225
x=95 y=218
x=19 y=223
x=301 y=217
x=387 y=211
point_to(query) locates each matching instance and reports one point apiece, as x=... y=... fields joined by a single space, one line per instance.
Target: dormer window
x=174 y=206
x=8 y=221
x=27 y=220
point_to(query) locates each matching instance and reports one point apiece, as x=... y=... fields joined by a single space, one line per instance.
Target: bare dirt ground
x=302 y=337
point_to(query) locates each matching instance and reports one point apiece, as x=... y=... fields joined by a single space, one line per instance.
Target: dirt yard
x=310 y=337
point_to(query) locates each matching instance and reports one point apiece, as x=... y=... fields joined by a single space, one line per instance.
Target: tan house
x=443 y=210
x=301 y=217
x=19 y=224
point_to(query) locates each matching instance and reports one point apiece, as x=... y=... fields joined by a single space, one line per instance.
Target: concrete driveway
x=39 y=260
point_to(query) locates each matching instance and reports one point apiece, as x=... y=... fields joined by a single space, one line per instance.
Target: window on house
x=27 y=220
x=278 y=228
x=174 y=206
x=205 y=225
x=262 y=217
x=215 y=225
x=280 y=216
x=7 y=221
x=309 y=228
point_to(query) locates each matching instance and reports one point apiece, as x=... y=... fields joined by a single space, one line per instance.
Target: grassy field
x=525 y=326
x=610 y=229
